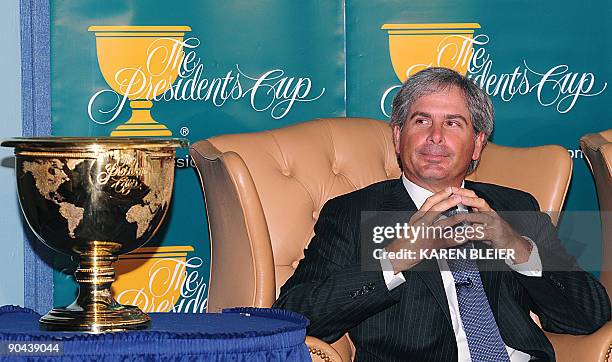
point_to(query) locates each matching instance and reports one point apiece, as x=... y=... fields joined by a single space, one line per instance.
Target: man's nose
x=436 y=134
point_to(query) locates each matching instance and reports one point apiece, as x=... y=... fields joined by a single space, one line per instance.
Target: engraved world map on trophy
x=56 y=180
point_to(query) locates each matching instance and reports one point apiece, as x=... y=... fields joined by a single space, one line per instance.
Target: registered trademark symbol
x=184 y=131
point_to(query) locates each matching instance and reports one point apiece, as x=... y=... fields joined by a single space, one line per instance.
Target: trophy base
x=95 y=310
x=109 y=319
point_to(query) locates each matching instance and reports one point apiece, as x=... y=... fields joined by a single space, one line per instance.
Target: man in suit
x=422 y=309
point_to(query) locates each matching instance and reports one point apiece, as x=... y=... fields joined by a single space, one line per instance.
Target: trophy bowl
x=94 y=199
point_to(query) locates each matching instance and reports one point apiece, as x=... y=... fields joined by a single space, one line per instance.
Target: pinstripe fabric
x=412 y=322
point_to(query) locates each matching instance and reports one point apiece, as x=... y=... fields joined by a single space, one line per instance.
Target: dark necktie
x=484 y=340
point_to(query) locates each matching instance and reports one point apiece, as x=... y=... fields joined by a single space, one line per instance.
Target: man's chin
x=434 y=172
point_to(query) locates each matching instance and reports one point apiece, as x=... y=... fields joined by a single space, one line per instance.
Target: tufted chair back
x=267 y=189
x=549 y=170
x=264 y=191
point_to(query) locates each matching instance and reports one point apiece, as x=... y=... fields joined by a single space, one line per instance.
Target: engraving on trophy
x=123 y=171
x=48 y=177
x=155 y=200
x=73 y=214
x=73 y=163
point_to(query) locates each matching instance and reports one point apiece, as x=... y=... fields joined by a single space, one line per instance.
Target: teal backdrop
x=548 y=43
x=287 y=62
x=267 y=40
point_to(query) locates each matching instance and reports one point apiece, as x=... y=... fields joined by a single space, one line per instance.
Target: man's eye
x=420 y=121
x=452 y=123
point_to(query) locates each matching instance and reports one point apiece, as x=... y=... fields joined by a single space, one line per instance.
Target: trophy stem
x=95 y=310
x=141 y=123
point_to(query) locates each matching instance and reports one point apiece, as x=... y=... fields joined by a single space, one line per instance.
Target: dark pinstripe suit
x=412 y=322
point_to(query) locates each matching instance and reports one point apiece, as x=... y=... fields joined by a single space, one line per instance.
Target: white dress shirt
x=532 y=268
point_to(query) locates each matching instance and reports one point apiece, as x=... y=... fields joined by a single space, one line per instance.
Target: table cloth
x=237 y=334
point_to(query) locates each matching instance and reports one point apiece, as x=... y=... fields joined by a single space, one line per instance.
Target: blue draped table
x=238 y=334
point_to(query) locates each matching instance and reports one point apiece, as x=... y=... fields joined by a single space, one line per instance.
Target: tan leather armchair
x=264 y=192
x=597 y=148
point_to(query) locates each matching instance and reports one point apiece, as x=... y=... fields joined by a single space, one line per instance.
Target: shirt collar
x=417 y=193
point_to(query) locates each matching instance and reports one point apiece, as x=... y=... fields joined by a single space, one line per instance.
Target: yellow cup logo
x=414 y=47
x=151 y=277
x=140 y=63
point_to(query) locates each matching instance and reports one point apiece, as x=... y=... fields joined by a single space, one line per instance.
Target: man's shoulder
x=506 y=197
x=364 y=198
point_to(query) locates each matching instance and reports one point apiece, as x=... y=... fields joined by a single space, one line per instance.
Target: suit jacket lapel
x=429 y=272
x=397 y=199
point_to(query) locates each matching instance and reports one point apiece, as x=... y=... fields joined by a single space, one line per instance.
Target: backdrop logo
x=161 y=279
x=138 y=63
x=414 y=47
x=147 y=64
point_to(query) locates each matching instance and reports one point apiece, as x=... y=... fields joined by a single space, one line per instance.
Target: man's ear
x=397 y=132
x=479 y=143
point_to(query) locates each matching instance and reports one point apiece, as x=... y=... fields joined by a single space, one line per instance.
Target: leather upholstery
x=549 y=168
x=296 y=169
x=264 y=192
x=597 y=148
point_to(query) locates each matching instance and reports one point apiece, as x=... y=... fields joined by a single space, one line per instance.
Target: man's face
x=437 y=143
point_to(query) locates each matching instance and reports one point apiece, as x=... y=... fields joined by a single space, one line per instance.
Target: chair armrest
x=241 y=252
x=322 y=351
x=596 y=347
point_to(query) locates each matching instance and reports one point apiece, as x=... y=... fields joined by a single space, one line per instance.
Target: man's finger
x=477 y=221
x=478 y=218
x=429 y=202
x=464 y=192
x=476 y=202
x=436 y=198
x=434 y=212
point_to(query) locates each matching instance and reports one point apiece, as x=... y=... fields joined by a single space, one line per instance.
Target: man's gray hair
x=433 y=80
